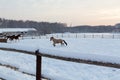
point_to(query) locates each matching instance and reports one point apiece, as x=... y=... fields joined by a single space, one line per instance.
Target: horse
x=9 y=37
x=16 y=37
x=56 y=41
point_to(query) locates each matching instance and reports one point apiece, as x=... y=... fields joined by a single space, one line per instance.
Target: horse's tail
x=65 y=42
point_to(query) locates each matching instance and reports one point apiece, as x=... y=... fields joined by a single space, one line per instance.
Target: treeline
x=42 y=27
x=93 y=29
x=46 y=27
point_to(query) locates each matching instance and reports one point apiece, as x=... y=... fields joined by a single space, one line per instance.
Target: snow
x=16 y=60
x=95 y=49
x=9 y=74
x=16 y=29
x=103 y=50
x=53 y=69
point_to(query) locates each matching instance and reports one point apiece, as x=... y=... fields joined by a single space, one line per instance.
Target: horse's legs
x=62 y=43
x=54 y=44
x=15 y=40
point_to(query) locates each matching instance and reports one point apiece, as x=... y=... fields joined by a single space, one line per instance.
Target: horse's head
x=19 y=35
x=51 y=38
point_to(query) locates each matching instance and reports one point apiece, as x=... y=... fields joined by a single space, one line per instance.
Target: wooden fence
x=81 y=35
x=39 y=56
x=76 y=35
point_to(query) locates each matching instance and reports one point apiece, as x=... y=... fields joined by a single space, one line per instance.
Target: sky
x=72 y=12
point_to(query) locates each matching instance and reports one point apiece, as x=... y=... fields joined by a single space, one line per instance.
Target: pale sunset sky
x=75 y=12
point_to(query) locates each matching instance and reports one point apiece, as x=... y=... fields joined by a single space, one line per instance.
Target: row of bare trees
x=47 y=27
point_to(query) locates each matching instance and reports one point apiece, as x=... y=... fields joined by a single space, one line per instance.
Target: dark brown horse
x=16 y=37
x=56 y=41
x=9 y=37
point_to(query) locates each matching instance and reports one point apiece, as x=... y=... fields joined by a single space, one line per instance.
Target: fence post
x=84 y=36
x=46 y=36
x=38 y=65
x=39 y=36
x=57 y=35
x=68 y=36
x=113 y=36
x=62 y=35
x=102 y=36
x=93 y=35
x=76 y=35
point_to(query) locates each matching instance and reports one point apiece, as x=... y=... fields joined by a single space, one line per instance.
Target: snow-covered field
x=103 y=50
x=53 y=69
x=97 y=49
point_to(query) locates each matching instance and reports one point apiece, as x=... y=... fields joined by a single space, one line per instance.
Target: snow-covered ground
x=105 y=50
x=97 y=49
x=2 y=30
x=53 y=69
x=9 y=74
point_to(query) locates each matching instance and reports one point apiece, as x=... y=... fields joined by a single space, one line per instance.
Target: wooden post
x=57 y=35
x=39 y=36
x=62 y=35
x=102 y=36
x=113 y=36
x=84 y=35
x=46 y=37
x=38 y=66
x=68 y=36
x=92 y=35
x=76 y=35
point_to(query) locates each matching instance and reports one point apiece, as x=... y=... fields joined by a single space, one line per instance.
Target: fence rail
x=76 y=35
x=39 y=56
x=85 y=35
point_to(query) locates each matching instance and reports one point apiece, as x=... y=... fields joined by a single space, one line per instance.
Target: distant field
x=98 y=49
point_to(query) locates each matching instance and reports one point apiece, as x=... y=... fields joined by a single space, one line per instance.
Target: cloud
x=60 y=10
